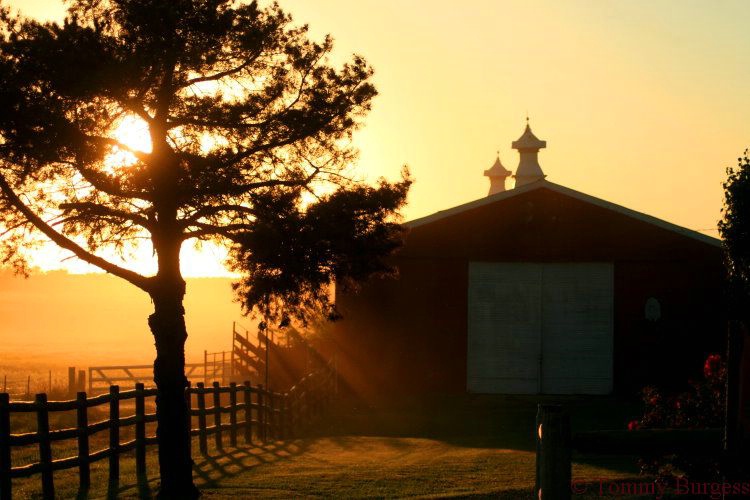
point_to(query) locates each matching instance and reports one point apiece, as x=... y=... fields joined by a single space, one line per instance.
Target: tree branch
x=219 y=75
x=210 y=210
x=211 y=230
x=101 y=183
x=136 y=279
x=96 y=209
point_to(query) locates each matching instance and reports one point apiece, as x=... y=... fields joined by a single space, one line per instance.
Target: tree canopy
x=735 y=232
x=244 y=115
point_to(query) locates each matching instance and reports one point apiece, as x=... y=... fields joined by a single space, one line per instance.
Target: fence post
x=189 y=404
x=271 y=416
x=248 y=412
x=45 y=447
x=114 y=438
x=223 y=367
x=140 y=434
x=71 y=380
x=5 y=483
x=202 y=438
x=293 y=406
x=205 y=366
x=81 y=382
x=286 y=432
x=82 y=422
x=553 y=450
x=233 y=414
x=217 y=414
x=261 y=413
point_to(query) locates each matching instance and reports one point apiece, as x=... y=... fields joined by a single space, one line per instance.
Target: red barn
x=538 y=289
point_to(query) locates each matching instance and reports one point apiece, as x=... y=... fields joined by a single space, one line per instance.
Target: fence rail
x=215 y=366
x=265 y=414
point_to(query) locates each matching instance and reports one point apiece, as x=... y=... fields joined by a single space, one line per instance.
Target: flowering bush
x=699 y=407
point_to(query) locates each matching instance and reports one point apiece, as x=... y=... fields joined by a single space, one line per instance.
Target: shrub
x=701 y=406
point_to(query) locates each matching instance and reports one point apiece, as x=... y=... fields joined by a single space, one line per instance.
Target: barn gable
x=551 y=213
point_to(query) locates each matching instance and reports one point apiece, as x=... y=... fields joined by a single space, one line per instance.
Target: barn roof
x=544 y=184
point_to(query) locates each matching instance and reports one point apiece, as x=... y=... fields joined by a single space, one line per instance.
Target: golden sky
x=642 y=103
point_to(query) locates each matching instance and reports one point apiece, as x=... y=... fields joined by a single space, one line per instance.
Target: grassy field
x=480 y=447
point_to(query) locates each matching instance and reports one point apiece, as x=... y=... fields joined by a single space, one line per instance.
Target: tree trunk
x=167 y=324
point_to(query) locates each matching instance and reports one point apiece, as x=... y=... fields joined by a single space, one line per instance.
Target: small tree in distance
x=244 y=115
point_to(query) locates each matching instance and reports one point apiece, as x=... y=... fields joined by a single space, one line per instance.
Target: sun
x=133 y=133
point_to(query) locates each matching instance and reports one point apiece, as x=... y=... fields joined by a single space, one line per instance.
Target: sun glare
x=133 y=133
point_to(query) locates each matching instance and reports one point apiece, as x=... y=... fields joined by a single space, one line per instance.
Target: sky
x=642 y=103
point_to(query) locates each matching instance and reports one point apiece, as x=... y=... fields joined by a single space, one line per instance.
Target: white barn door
x=540 y=328
x=504 y=328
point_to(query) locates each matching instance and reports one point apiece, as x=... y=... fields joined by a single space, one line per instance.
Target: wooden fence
x=215 y=366
x=555 y=445
x=265 y=415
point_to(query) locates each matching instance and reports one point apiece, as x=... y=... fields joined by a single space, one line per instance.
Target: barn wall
x=410 y=334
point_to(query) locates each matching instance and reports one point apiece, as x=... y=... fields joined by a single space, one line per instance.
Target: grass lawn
x=479 y=447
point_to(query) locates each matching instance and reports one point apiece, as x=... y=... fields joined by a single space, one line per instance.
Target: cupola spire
x=528 y=146
x=497 y=174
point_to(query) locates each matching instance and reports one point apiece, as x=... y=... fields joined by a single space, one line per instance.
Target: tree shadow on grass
x=210 y=470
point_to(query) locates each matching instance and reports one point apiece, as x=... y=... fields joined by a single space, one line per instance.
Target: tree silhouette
x=735 y=234
x=248 y=124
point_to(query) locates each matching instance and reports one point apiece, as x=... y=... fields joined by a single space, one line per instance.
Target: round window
x=652 y=309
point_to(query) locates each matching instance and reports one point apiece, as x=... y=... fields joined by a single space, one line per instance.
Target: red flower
x=633 y=425
x=712 y=365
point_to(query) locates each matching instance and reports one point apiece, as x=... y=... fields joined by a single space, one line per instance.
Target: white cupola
x=497 y=174
x=528 y=146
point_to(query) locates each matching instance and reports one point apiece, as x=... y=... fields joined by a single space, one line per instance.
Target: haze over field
x=95 y=319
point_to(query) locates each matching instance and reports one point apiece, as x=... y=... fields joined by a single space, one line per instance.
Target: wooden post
x=271 y=420
x=731 y=400
x=91 y=378
x=5 y=482
x=82 y=422
x=286 y=431
x=140 y=434
x=114 y=439
x=202 y=438
x=45 y=447
x=189 y=403
x=217 y=415
x=81 y=386
x=71 y=380
x=205 y=367
x=233 y=414
x=248 y=412
x=553 y=450
x=261 y=414
x=223 y=367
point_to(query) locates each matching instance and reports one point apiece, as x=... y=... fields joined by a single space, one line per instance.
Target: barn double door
x=540 y=328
